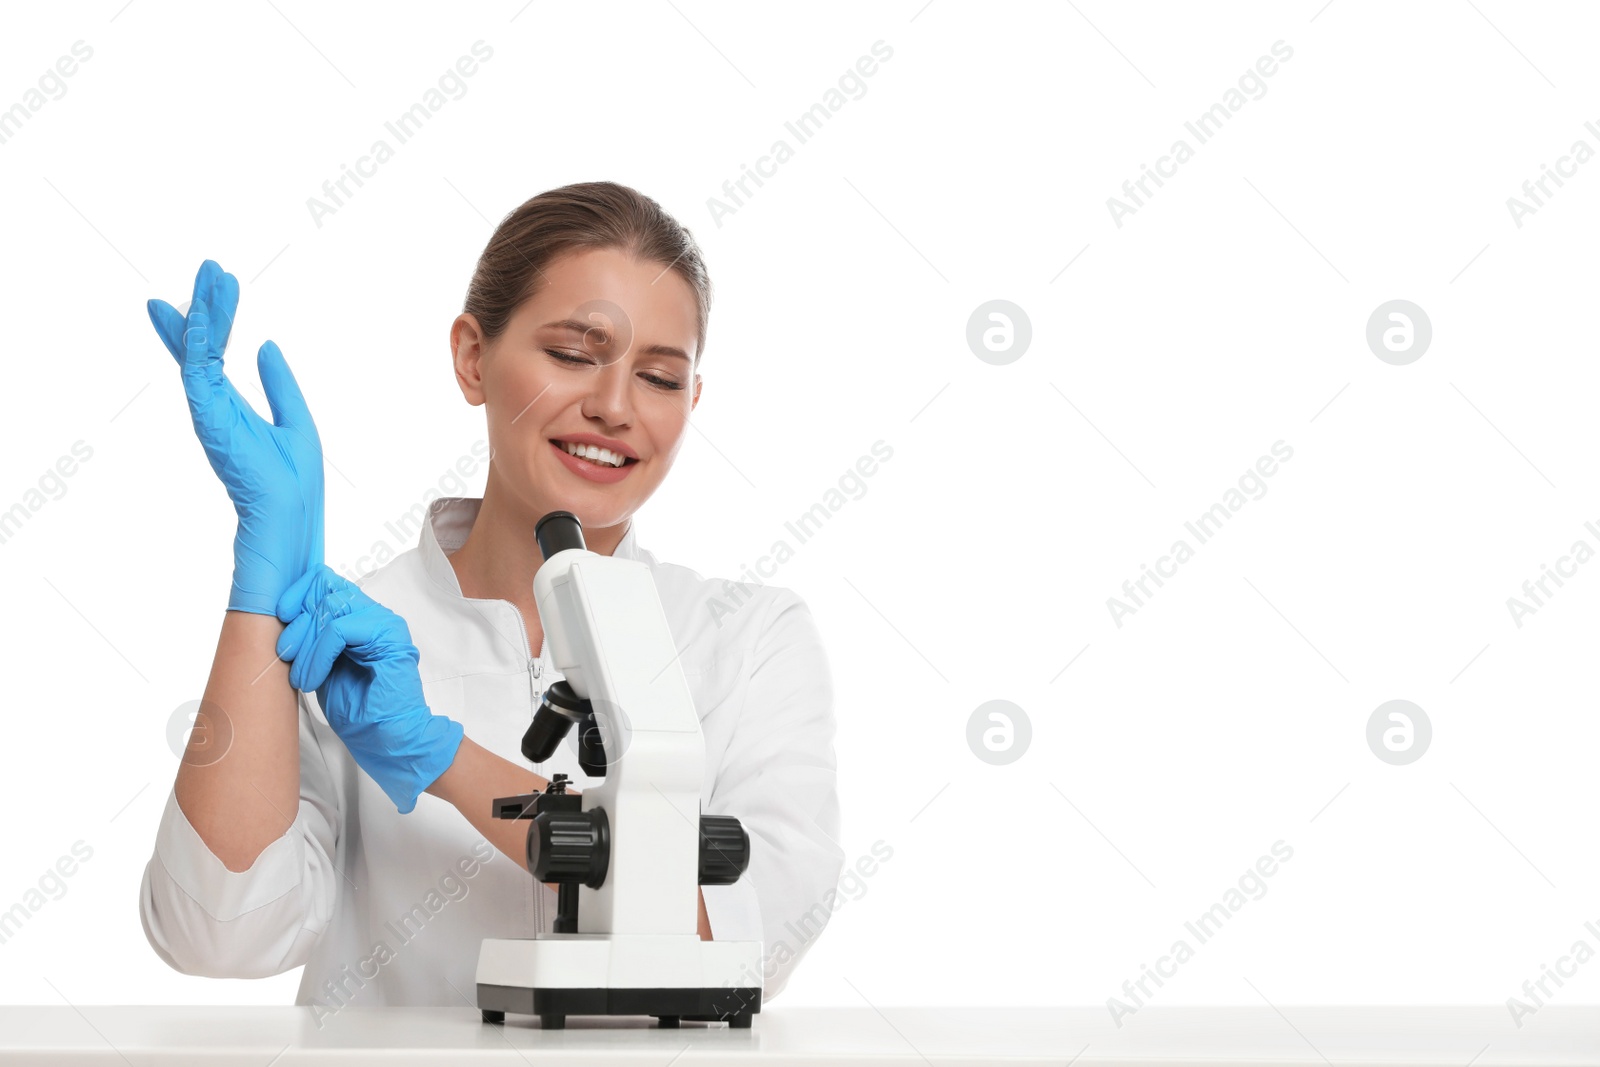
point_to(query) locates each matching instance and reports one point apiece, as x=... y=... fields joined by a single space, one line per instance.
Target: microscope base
x=673 y=977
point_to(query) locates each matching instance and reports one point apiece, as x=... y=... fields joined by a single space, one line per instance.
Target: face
x=602 y=351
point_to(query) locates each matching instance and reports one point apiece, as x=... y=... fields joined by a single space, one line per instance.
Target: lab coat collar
x=445 y=529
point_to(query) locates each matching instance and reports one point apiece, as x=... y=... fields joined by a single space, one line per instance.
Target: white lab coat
x=391 y=909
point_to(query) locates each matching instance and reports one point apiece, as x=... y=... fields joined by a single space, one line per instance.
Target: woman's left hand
x=358 y=657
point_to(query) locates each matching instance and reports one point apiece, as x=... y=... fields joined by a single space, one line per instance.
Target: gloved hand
x=272 y=471
x=358 y=657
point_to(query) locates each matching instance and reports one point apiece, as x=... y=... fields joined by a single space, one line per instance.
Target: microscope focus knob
x=724 y=850
x=570 y=846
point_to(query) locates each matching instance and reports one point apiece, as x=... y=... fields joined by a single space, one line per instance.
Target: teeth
x=599 y=455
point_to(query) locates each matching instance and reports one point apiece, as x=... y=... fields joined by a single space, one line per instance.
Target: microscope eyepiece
x=558 y=531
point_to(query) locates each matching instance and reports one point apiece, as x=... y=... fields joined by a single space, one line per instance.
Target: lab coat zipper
x=535 y=671
x=535 y=665
x=533 y=904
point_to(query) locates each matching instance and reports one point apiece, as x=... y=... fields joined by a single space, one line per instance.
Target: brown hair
x=580 y=216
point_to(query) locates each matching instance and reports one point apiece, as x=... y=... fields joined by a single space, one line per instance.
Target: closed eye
x=662 y=382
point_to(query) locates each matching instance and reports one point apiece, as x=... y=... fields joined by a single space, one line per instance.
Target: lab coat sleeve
x=778 y=778
x=203 y=919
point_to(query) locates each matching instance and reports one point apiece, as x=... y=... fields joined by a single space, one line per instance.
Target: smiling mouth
x=626 y=460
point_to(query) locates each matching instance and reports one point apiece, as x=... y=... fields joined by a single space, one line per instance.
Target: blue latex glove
x=358 y=657
x=272 y=471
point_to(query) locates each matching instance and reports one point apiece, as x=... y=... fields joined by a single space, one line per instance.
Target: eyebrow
x=577 y=327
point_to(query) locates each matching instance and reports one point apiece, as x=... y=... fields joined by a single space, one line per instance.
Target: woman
x=334 y=833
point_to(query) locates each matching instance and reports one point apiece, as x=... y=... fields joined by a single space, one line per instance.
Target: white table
x=1260 y=1036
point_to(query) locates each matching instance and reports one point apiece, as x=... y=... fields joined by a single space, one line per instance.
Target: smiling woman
x=581 y=337
x=577 y=332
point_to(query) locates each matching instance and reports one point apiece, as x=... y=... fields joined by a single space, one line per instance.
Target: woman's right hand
x=272 y=471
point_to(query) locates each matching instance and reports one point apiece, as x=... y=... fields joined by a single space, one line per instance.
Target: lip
x=599 y=442
x=591 y=471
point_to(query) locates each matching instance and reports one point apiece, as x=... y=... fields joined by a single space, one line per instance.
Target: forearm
x=239 y=781
x=478 y=776
x=473 y=781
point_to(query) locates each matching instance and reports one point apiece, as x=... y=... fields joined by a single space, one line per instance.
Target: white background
x=1227 y=314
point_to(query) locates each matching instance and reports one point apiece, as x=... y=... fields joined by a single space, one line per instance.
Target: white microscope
x=630 y=854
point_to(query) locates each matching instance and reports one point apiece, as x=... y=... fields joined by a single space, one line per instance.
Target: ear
x=696 y=399
x=467 y=351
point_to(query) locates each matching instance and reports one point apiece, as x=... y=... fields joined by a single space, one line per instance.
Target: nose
x=608 y=396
